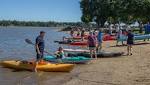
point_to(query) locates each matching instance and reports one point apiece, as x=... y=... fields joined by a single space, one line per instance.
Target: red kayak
x=108 y=37
x=79 y=37
x=79 y=43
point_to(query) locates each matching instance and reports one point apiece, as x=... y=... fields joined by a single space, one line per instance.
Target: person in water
x=92 y=45
x=130 y=42
x=99 y=39
x=39 y=47
x=60 y=53
x=82 y=34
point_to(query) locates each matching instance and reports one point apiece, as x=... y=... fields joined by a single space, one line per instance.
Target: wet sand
x=124 y=70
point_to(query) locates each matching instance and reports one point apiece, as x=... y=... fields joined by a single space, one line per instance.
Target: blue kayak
x=74 y=60
x=136 y=37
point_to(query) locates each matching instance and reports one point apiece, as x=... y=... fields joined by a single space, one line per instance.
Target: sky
x=40 y=10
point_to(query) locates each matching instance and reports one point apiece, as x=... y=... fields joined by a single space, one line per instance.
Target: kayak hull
x=137 y=37
x=78 y=43
x=76 y=50
x=72 y=60
x=99 y=55
x=109 y=38
x=48 y=67
x=62 y=42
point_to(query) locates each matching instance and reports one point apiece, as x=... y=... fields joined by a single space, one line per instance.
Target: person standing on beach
x=130 y=42
x=39 y=47
x=147 y=29
x=92 y=45
x=82 y=34
x=99 y=39
x=119 y=37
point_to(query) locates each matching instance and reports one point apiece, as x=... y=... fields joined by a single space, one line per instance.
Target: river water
x=14 y=47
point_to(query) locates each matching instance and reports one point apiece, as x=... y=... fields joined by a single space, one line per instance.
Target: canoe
x=79 y=43
x=47 y=67
x=99 y=55
x=72 y=60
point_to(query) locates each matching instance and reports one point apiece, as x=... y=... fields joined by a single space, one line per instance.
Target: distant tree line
x=39 y=23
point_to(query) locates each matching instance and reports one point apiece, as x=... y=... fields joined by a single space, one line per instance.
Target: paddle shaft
x=30 y=42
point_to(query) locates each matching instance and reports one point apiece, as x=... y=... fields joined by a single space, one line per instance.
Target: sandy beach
x=124 y=70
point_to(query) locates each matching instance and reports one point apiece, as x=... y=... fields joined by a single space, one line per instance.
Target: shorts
x=130 y=42
x=92 y=47
x=39 y=56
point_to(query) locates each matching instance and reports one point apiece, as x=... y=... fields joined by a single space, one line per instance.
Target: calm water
x=13 y=46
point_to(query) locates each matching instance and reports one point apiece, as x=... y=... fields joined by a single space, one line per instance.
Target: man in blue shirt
x=39 y=47
x=130 y=42
x=99 y=39
x=147 y=29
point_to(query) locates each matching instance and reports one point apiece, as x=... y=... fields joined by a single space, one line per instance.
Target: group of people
x=94 y=44
x=95 y=41
x=129 y=41
x=80 y=33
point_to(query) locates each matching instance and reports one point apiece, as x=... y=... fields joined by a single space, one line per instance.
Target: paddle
x=30 y=42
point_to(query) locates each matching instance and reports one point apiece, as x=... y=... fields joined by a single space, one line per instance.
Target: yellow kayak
x=48 y=67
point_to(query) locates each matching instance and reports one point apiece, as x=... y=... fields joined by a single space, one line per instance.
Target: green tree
x=115 y=11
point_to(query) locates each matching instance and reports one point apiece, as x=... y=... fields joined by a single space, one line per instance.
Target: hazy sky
x=40 y=10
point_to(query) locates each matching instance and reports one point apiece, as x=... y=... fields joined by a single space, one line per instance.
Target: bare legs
x=99 y=48
x=35 y=65
x=93 y=53
x=129 y=50
x=118 y=42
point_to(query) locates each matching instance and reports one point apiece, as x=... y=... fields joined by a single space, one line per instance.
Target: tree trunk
x=140 y=26
x=102 y=21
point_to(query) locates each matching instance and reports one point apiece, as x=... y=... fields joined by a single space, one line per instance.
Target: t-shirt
x=130 y=37
x=99 y=37
x=40 y=43
x=92 y=41
x=61 y=55
x=147 y=29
